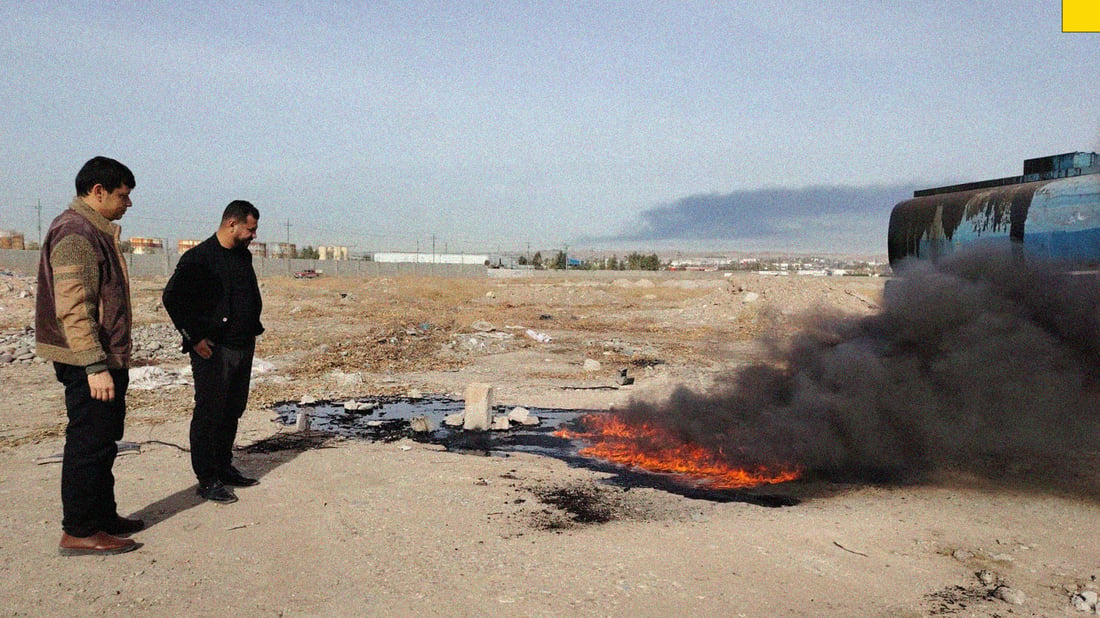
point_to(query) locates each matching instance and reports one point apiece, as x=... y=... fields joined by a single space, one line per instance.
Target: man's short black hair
x=103 y=171
x=239 y=210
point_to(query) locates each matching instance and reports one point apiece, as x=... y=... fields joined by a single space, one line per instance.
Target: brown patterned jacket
x=82 y=312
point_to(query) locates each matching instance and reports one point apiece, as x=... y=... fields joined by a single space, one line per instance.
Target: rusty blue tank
x=1051 y=211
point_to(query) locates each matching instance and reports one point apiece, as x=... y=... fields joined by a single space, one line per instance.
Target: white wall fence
x=25 y=262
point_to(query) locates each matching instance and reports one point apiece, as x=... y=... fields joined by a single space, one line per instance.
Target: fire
x=654 y=449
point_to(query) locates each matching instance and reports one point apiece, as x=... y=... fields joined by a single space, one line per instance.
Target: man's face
x=244 y=232
x=111 y=204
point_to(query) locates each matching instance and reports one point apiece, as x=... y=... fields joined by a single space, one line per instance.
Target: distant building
x=258 y=249
x=144 y=246
x=183 y=245
x=11 y=240
x=432 y=258
x=282 y=250
x=332 y=253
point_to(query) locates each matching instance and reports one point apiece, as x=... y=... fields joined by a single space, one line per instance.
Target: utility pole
x=39 y=209
x=167 y=258
x=286 y=251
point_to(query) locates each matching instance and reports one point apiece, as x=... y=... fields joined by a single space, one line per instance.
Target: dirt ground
x=347 y=527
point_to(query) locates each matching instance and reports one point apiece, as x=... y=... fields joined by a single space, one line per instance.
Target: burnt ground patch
x=957 y=599
x=576 y=504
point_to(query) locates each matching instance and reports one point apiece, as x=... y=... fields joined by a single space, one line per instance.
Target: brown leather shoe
x=99 y=543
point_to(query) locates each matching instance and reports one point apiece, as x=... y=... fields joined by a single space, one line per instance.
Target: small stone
x=454 y=420
x=591 y=365
x=483 y=326
x=1081 y=604
x=421 y=424
x=523 y=416
x=1010 y=595
x=962 y=555
x=500 y=423
x=987 y=577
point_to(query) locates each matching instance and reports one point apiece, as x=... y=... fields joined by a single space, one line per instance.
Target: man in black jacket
x=214 y=301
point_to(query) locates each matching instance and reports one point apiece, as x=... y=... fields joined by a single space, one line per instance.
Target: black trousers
x=221 y=395
x=87 y=483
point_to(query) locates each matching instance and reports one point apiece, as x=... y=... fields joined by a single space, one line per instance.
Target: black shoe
x=234 y=478
x=217 y=492
x=121 y=526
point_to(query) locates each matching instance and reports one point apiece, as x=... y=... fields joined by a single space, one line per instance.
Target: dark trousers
x=221 y=394
x=87 y=483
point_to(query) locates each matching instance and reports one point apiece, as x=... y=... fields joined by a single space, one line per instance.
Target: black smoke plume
x=977 y=363
x=772 y=217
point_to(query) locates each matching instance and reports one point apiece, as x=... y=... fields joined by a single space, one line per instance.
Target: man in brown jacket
x=82 y=324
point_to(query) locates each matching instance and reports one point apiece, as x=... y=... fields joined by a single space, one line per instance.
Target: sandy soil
x=345 y=527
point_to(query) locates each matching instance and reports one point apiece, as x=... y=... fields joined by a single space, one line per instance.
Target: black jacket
x=197 y=296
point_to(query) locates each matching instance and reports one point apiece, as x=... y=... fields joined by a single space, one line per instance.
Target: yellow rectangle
x=1080 y=15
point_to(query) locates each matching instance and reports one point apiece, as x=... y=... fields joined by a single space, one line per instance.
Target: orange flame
x=654 y=449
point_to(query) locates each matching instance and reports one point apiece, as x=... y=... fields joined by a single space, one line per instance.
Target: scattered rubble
x=537 y=336
x=360 y=406
x=17 y=347
x=152 y=344
x=1086 y=601
x=151 y=377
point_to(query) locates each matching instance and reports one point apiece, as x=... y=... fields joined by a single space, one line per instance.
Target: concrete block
x=479 y=407
x=302 y=424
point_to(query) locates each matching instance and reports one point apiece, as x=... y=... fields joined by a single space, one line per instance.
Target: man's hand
x=102 y=386
x=204 y=348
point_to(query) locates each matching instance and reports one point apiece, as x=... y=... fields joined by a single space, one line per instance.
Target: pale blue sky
x=503 y=125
